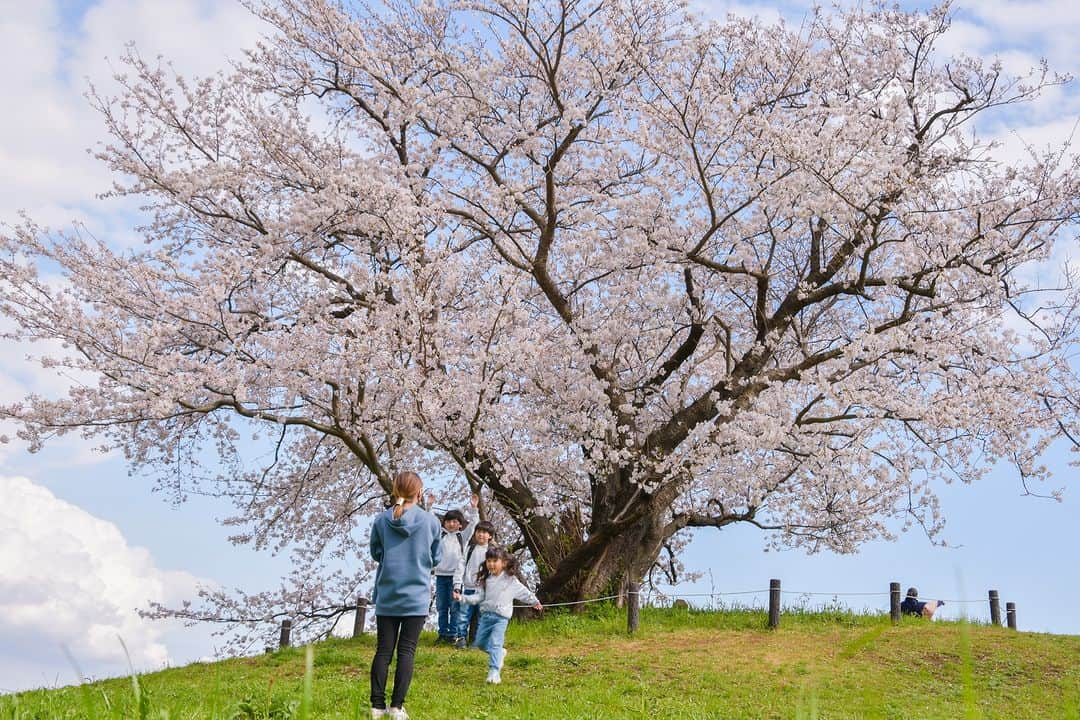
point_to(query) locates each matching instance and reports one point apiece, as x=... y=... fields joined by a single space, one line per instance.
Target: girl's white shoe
x=377 y=713
x=493 y=677
x=398 y=714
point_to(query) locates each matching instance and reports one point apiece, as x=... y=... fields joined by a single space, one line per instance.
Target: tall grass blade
x=84 y=690
x=142 y=698
x=309 y=673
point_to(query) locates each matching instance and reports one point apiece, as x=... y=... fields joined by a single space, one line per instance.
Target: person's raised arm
x=473 y=516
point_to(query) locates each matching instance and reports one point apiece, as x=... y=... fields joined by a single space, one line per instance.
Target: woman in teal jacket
x=405 y=542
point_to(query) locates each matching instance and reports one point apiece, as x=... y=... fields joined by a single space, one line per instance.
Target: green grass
x=680 y=664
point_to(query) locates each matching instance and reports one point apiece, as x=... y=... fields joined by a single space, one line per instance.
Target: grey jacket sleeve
x=524 y=594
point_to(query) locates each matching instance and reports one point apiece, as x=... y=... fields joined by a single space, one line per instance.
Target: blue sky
x=82 y=543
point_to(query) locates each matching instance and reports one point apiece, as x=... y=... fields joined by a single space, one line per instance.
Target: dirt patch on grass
x=721 y=647
x=355 y=672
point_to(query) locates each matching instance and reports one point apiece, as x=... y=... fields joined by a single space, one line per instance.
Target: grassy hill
x=679 y=665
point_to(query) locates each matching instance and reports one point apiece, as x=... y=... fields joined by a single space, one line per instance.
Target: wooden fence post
x=995 y=609
x=894 y=602
x=774 y=603
x=286 y=629
x=361 y=617
x=1010 y=614
x=632 y=607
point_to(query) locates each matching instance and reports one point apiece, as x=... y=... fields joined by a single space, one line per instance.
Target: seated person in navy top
x=912 y=606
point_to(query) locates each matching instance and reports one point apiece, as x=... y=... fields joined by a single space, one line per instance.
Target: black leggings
x=404 y=633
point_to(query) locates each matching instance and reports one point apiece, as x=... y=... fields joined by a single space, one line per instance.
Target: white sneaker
x=398 y=714
x=493 y=677
x=377 y=713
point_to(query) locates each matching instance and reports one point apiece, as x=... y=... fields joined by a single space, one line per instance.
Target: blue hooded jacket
x=406 y=548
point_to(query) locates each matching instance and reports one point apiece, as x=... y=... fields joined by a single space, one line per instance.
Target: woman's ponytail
x=406 y=487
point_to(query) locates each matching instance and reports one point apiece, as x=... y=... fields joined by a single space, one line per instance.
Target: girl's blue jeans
x=465 y=613
x=490 y=634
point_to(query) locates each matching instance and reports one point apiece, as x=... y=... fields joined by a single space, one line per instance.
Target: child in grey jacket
x=499 y=586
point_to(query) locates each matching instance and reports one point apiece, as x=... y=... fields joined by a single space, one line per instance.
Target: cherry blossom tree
x=623 y=271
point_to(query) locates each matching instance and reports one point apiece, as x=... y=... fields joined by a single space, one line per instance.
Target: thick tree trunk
x=625 y=535
x=611 y=556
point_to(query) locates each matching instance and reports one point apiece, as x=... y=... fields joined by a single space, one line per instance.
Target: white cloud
x=965 y=37
x=1012 y=20
x=1017 y=146
x=767 y=13
x=44 y=165
x=197 y=36
x=70 y=580
x=41 y=155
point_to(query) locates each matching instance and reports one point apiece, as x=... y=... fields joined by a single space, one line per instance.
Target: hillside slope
x=685 y=665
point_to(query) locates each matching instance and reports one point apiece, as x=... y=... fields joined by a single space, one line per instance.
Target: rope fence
x=784 y=592
x=632 y=598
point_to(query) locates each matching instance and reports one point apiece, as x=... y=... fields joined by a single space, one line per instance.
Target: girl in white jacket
x=499 y=586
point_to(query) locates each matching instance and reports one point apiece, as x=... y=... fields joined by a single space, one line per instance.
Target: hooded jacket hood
x=410 y=521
